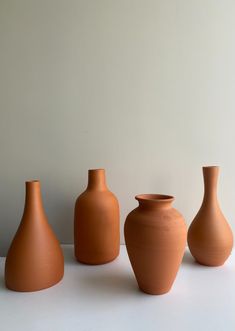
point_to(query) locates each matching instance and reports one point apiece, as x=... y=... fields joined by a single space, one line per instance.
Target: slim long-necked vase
x=35 y=259
x=210 y=238
x=96 y=222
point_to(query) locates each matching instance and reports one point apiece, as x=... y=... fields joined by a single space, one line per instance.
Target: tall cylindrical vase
x=96 y=222
x=35 y=260
x=210 y=238
x=155 y=235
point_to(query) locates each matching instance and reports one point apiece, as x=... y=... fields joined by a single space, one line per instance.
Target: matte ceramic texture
x=35 y=260
x=210 y=238
x=155 y=235
x=96 y=222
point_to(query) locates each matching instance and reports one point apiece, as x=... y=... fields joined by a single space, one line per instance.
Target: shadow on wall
x=8 y=228
x=2 y=283
x=61 y=217
x=59 y=202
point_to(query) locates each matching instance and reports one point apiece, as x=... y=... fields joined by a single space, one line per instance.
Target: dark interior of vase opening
x=99 y=169
x=157 y=197
x=32 y=181
x=208 y=167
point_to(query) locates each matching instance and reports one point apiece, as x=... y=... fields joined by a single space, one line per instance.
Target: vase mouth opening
x=32 y=181
x=155 y=197
x=211 y=167
x=98 y=169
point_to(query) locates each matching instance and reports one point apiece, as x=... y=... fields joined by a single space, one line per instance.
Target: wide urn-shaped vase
x=155 y=235
x=35 y=260
x=210 y=238
x=96 y=222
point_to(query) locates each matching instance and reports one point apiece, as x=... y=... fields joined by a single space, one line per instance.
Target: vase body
x=210 y=238
x=34 y=260
x=96 y=222
x=155 y=235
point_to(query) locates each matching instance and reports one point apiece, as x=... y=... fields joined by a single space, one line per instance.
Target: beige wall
x=143 y=88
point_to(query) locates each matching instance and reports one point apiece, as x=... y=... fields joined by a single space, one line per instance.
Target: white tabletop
x=95 y=298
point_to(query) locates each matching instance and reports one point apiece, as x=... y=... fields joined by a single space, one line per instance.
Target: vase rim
x=97 y=169
x=32 y=181
x=210 y=167
x=155 y=197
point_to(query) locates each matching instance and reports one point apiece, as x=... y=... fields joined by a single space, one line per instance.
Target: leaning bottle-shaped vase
x=210 y=238
x=35 y=259
x=155 y=235
x=96 y=222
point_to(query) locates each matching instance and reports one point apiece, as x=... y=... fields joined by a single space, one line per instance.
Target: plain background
x=143 y=88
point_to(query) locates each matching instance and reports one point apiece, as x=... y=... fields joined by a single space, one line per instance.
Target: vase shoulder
x=156 y=218
x=210 y=229
x=93 y=199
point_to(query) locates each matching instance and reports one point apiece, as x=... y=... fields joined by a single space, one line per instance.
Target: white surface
x=106 y=298
x=143 y=88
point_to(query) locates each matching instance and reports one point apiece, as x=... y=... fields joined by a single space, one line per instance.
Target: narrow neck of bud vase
x=33 y=199
x=155 y=201
x=96 y=180
x=210 y=175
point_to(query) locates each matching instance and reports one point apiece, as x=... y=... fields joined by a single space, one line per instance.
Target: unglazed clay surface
x=35 y=259
x=210 y=238
x=155 y=235
x=96 y=222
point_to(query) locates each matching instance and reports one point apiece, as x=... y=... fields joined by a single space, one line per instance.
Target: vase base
x=86 y=262
x=36 y=289
x=210 y=264
x=158 y=292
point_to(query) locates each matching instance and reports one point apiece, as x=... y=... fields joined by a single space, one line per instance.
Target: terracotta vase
x=96 y=222
x=34 y=260
x=210 y=238
x=155 y=235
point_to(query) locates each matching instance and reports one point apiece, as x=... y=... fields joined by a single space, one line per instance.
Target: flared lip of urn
x=155 y=197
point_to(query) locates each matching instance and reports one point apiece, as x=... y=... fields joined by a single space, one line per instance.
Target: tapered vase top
x=33 y=198
x=210 y=176
x=96 y=179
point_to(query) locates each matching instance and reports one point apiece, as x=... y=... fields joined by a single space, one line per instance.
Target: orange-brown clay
x=34 y=260
x=210 y=238
x=155 y=235
x=96 y=222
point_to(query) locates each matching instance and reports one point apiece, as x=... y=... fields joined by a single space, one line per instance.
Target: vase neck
x=33 y=199
x=210 y=175
x=96 y=180
x=155 y=201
